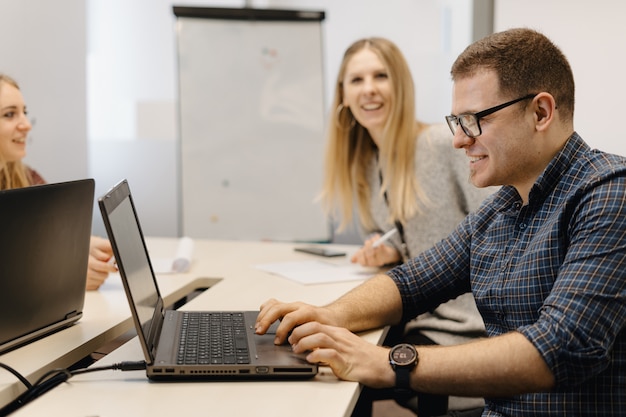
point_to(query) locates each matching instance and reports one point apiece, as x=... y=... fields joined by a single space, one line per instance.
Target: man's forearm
x=373 y=304
x=499 y=366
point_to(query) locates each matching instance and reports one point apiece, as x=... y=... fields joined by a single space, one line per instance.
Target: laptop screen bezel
x=148 y=332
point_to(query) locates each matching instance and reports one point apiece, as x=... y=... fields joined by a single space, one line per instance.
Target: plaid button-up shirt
x=553 y=270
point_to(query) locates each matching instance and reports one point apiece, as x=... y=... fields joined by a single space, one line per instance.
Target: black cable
x=17 y=375
x=121 y=366
x=55 y=377
x=51 y=374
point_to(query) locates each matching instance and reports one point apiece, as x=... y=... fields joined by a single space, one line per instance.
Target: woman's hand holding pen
x=375 y=253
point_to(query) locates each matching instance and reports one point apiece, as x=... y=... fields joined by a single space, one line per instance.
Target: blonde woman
x=397 y=172
x=14 y=129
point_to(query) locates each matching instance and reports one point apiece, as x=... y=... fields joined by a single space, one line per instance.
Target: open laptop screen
x=130 y=253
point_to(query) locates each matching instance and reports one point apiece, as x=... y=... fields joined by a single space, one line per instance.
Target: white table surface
x=229 y=267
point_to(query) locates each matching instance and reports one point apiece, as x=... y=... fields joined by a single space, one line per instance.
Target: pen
x=385 y=237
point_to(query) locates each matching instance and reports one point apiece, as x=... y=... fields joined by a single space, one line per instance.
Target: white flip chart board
x=252 y=123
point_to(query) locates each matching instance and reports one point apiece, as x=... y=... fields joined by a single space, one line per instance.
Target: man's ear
x=544 y=106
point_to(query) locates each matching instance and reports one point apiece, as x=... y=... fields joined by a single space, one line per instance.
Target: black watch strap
x=403 y=378
x=402 y=389
x=403 y=359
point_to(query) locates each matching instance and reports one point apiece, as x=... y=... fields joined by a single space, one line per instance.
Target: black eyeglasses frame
x=454 y=121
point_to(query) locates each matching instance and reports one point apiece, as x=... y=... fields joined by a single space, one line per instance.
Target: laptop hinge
x=72 y=314
x=157 y=334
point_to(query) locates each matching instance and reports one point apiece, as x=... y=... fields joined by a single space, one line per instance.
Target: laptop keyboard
x=213 y=338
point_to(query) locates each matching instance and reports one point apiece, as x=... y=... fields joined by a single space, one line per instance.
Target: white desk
x=106 y=316
x=240 y=286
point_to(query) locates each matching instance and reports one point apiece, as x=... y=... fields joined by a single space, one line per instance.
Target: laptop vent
x=213 y=372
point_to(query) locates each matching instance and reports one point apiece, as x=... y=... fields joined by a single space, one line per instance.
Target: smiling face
x=367 y=92
x=14 y=125
x=509 y=151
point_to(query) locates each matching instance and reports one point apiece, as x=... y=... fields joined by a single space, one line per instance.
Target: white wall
x=592 y=36
x=132 y=54
x=43 y=48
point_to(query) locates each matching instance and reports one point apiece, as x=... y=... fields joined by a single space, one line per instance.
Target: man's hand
x=291 y=315
x=349 y=356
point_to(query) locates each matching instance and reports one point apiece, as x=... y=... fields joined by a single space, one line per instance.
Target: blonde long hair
x=350 y=148
x=12 y=174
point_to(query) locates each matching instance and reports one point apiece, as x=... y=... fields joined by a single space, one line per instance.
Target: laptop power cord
x=56 y=377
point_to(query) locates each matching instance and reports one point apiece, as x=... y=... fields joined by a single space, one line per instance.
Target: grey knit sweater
x=443 y=173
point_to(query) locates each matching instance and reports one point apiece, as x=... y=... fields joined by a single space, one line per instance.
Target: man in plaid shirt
x=544 y=256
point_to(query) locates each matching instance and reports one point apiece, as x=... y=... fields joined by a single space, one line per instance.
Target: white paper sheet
x=318 y=272
x=180 y=263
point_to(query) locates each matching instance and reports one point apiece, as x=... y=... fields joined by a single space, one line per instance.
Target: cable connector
x=120 y=366
x=130 y=365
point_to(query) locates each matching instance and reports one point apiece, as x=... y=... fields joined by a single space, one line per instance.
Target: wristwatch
x=403 y=359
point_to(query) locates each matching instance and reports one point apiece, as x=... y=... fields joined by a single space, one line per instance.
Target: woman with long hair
x=394 y=171
x=14 y=129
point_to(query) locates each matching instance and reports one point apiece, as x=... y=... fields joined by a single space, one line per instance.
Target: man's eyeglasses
x=469 y=122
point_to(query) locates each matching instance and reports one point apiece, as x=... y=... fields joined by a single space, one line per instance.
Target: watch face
x=403 y=354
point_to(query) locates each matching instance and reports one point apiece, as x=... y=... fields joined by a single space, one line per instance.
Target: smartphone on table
x=320 y=251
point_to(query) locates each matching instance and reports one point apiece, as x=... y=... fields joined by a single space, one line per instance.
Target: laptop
x=170 y=354
x=44 y=250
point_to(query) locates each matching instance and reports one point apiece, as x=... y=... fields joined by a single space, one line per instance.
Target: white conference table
x=228 y=268
x=106 y=317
